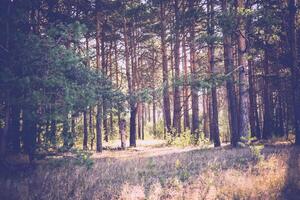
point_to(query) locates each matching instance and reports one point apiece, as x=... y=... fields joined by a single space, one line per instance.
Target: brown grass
x=160 y=172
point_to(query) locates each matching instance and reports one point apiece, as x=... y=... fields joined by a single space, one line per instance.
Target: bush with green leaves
x=83 y=158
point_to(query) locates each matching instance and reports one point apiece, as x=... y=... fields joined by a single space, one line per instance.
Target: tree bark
x=186 y=117
x=14 y=129
x=177 y=103
x=99 y=106
x=231 y=96
x=214 y=99
x=267 y=125
x=166 y=98
x=194 y=91
x=292 y=38
x=104 y=71
x=253 y=115
x=4 y=132
x=85 y=130
x=132 y=103
x=243 y=77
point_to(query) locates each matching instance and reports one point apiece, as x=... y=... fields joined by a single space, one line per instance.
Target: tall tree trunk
x=85 y=130
x=194 y=91
x=243 y=77
x=104 y=71
x=4 y=132
x=166 y=98
x=14 y=129
x=99 y=106
x=154 y=113
x=132 y=103
x=211 y=57
x=228 y=63
x=177 y=103
x=139 y=121
x=186 y=117
x=143 y=121
x=29 y=134
x=205 y=115
x=91 y=127
x=294 y=66
x=253 y=115
x=98 y=128
x=267 y=125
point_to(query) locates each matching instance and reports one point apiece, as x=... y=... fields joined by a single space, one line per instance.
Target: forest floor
x=156 y=171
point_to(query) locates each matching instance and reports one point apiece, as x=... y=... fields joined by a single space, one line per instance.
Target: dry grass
x=157 y=172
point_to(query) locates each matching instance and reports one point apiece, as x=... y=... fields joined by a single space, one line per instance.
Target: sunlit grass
x=155 y=171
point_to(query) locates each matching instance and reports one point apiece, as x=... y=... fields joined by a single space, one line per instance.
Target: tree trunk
x=267 y=126
x=99 y=106
x=253 y=115
x=123 y=133
x=166 y=98
x=3 y=132
x=29 y=134
x=243 y=77
x=205 y=115
x=98 y=128
x=91 y=127
x=139 y=121
x=228 y=63
x=132 y=103
x=177 y=103
x=186 y=119
x=294 y=66
x=194 y=91
x=211 y=57
x=85 y=130
x=154 y=113
x=14 y=129
x=143 y=121
x=104 y=71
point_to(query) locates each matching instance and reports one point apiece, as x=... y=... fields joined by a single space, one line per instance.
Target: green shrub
x=256 y=152
x=83 y=158
x=186 y=139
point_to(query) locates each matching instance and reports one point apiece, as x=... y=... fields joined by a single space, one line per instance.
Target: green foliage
x=83 y=158
x=185 y=139
x=256 y=152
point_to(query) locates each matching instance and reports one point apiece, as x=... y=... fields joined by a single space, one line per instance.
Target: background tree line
x=70 y=70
